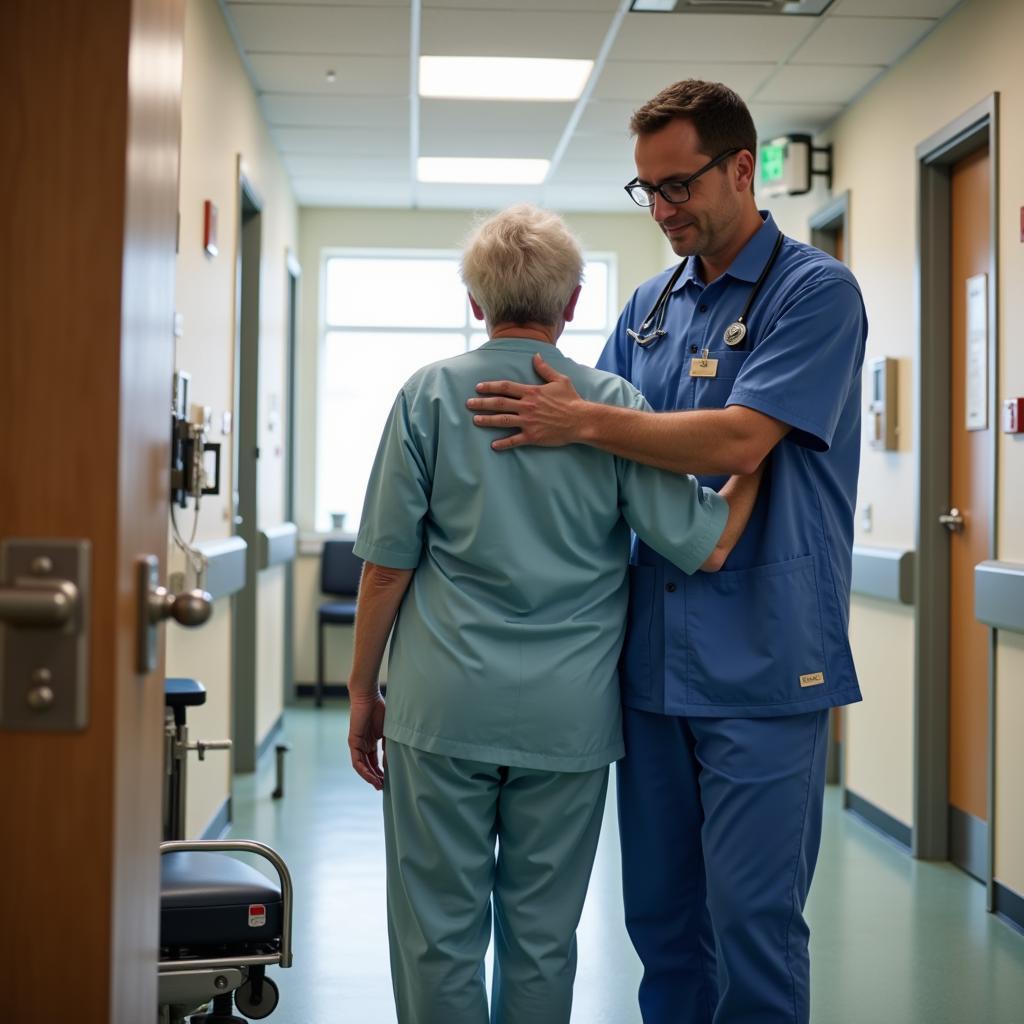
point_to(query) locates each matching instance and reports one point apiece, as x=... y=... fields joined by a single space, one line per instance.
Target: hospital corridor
x=510 y=511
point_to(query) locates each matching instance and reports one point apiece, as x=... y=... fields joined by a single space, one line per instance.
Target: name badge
x=703 y=367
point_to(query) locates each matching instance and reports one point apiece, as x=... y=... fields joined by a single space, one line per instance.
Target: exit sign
x=773 y=162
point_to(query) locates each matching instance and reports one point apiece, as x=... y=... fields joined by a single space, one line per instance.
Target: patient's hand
x=365 y=730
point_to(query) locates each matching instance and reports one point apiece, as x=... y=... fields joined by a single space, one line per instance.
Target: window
x=384 y=314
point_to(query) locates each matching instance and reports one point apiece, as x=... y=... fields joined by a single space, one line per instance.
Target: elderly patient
x=507 y=576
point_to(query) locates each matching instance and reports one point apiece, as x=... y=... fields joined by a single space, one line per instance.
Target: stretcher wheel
x=264 y=1008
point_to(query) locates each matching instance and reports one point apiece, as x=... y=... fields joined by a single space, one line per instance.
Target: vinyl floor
x=894 y=940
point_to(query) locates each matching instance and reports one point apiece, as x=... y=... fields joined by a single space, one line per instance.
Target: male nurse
x=752 y=351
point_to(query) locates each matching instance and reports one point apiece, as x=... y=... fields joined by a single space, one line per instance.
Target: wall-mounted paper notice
x=977 y=352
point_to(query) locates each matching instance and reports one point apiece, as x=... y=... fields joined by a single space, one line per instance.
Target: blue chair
x=340 y=570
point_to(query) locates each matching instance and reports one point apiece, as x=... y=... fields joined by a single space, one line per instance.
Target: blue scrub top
x=768 y=635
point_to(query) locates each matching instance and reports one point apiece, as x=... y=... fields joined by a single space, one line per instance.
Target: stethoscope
x=734 y=333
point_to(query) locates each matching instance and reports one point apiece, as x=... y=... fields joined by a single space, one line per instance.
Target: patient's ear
x=475 y=306
x=570 y=306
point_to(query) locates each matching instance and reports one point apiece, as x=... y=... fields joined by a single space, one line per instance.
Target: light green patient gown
x=506 y=644
x=503 y=706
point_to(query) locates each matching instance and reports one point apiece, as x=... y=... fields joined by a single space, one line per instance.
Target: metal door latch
x=44 y=635
x=953 y=520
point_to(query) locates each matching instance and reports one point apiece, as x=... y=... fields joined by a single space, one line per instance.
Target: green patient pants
x=442 y=816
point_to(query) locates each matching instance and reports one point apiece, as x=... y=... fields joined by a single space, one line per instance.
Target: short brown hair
x=721 y=119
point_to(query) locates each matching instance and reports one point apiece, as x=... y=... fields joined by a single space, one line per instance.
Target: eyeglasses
x=674 y=192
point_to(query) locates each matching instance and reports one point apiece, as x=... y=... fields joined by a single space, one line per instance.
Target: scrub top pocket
x=755 y=636
x=714 y=392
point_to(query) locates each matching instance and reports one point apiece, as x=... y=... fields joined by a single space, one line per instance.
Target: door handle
x=157 y=604
x=38 y=603
x=953 y=520
x=45 y=593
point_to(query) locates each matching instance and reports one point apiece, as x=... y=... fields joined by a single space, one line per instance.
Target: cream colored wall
x=220 y=121
x=968 y=57
x=878 y=733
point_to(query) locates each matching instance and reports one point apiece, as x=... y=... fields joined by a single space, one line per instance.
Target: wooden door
x=89 y=162
x=971 y=492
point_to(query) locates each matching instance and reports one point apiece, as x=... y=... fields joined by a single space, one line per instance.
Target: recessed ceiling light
x=503 y=78
x=481 y=170
x=331 y=76
x=653 y=5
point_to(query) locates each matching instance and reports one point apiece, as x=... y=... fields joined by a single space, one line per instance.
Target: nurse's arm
x=706 y=442
x=741 y=494
x=381 y=590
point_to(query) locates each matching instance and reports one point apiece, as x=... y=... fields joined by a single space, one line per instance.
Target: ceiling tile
x=452 y=141
x=471 y=116
x=638 y=81
x=784 y=118
x=892 y=8
x=861 y=40
x=334 y=111
x=608 y=149
x=285 y=28
x=475 y=197
x=349 y=169
x=610 y=116
x=354 y=76
x=736 y=38
x=511 y=33
x=827 y=84
x=347 y=142
x=331 y=192
x=321 y=3
x=526 y=5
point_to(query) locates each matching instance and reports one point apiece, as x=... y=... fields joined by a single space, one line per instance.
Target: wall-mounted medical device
x=789 y=162
x=882 y=422
x=195 y=462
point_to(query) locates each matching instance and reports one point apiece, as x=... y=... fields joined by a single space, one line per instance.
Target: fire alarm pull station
x=1013 y=415
x=882 y=425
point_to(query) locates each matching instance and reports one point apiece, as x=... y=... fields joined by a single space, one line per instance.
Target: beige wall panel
x=269 y=650
x=968 y=57
x=965 y=59
x=205 y=654
x=1009 y=813
x=878 y=738
x=220 y=120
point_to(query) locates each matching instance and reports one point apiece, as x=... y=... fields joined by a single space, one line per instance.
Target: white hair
x=522 y=265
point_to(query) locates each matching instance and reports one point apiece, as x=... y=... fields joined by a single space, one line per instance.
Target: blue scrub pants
x=720 y=823
x=442 y=817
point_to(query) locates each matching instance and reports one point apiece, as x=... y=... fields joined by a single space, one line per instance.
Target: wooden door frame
x=823 y=224
x=245 y=463
x=975 y=128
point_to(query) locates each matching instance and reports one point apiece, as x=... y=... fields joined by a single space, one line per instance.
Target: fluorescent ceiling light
x=503 y=78
x=654 y=5
x=481 y=170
